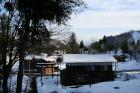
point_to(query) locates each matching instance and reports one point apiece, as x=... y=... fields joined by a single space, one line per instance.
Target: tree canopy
x=57 y=11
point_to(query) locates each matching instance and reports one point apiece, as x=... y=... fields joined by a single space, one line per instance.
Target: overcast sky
x=106 y=17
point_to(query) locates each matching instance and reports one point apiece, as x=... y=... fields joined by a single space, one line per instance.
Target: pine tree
x=124 y=46
x=72 y=44
x=110 y=47
x=54 y=11
x=81 y=46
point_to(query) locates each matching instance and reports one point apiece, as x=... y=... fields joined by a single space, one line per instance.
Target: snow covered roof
x=74 y=58
x=48 y=58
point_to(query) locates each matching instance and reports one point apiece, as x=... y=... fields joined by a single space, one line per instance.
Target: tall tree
x=7 y=48
x=81 y=46
x=96 y=46
x=104 y=44
x=54 y=11
x=72 y=47
x=31 y=13
x=110 y=47
x=124 y=46
x=8 y=34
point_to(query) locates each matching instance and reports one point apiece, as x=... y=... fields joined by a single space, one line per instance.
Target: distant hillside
x=131 y=36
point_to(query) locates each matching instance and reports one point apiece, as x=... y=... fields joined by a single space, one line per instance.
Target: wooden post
x=52 y=70
x=115 y=69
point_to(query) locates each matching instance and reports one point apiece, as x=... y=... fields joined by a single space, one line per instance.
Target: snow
x=126 y=82
x=112 y=53
x=50 y=85
x=51 y=58
x=30 y=57
x=13 y=80
x=72 y=58
x=136 y=36
x=42 y=56
x=15 y=67
x=129 y=65
x=62 y=66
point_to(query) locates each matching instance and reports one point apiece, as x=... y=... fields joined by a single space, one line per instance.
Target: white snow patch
x=47 y=58
x=136 y=36
x=13 y=80
x=15 y=67
x=49 y=86
x=129 y=65
x=69 y=58
x=129 y=82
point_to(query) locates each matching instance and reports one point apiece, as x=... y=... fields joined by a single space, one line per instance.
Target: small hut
x=83 y=69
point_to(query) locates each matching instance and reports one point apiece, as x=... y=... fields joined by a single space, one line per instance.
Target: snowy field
x=129 y=65
x=25 y=84
x=127 y=82
x=50 y=86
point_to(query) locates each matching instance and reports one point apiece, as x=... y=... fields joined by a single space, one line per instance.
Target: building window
x=105 y=68
x=102 y=68
x=109 y=67
x=81 y=77
x=98 y=68
x=92 y=68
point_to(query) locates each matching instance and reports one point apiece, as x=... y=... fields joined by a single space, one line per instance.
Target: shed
x=83 y=69
x=39 y=65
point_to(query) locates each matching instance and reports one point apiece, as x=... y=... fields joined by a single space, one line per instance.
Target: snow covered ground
x=127 y=82
x=50 y=86
x=25 y=84
x=129 y=65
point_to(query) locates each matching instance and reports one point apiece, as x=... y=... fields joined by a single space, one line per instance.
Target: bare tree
x=8 y=35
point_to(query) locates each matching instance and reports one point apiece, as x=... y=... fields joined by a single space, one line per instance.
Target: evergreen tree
x=96 y=46
x=104 y=44
x=104 y=40
x=72 y=44
x=81 y=46
x=32 y=12
x=124 y=46
x=110 y=47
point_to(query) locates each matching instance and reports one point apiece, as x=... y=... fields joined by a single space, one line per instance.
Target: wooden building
x=83 y=69
x=37 y=65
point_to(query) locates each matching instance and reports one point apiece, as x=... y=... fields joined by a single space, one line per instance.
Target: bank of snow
x=13 y=81
x=136 y=36
x=50 y=86
x=129 y=65
x=129 y=83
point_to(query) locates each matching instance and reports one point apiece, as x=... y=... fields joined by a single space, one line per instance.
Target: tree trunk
x=5 y=71
x=23 y=39
x=5 y=83
x=20 y=72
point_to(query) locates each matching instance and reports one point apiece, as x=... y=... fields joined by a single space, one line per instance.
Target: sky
x=106 y=17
